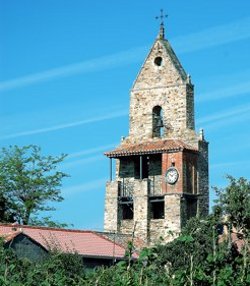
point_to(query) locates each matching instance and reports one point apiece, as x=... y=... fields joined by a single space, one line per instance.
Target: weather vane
x=162 y=17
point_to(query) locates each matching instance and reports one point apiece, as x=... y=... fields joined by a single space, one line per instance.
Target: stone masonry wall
x=203 y=178
x=126 y=226
x=165 y=74
x=141 y=213
x=159 y=228
x=111 y=207
x=140 y=222
x=166 y=87
x=173 y=103
x=190 y=106
x=160 y=83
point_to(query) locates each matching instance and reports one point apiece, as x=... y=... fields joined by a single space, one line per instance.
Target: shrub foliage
x=201 y=255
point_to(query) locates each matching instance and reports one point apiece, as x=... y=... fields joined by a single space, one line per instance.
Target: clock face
x=172 y=176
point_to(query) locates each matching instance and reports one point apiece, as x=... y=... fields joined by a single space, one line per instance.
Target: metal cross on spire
x=161 y=17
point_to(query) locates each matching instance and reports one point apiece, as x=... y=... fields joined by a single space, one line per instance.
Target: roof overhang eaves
x=9 y=241
x=117 y=154
x=196 y=151
x=108 y=257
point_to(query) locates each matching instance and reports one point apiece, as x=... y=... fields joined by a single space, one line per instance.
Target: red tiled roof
x=86 y=243
x=238 y=241
x=236 y=238
x=9 y=236
x=153 y=147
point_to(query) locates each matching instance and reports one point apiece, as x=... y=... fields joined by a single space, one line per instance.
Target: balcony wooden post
x=140 y=167
x=111 y=170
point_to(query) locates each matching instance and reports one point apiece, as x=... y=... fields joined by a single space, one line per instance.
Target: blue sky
x=66 y=68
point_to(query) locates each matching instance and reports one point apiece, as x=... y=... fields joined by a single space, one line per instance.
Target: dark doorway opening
x=157 y=205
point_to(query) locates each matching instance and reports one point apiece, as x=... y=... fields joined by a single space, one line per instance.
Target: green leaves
x=187 y=239
x=57 y=270
x=234 y=203
x=28 y=181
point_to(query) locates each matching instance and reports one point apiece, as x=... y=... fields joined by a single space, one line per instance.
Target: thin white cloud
x=115 y=114
x=210 y=37
x=89 y=186
x=215 y=36
x=87 y=160
x=225 y=92
x=91 y=151
x=88 y=66
x=241 y=110
x=81 y=162
x=229 y=164
x=228 y=121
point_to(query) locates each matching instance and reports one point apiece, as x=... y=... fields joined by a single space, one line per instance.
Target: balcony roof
x=152 y=147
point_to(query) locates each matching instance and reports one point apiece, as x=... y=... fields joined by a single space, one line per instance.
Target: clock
x=172 y=175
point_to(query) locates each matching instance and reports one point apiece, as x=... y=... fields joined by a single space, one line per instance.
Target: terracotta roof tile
x=236 y=238
x=86 y=243
x=123 y=239
x=9 y=236
x=153 y=147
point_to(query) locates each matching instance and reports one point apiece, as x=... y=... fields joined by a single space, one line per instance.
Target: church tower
x=162 y=166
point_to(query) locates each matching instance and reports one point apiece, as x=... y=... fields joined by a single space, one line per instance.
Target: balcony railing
x=126 y=188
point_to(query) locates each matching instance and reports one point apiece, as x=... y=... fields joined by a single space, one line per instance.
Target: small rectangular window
x=126 y=209
x=156 y=205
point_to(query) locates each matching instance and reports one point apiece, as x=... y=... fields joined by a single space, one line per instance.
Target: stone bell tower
x=162 y=166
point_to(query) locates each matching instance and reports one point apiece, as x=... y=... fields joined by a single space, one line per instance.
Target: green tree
x=233 y=203
x=28 y=182
x=58 y=269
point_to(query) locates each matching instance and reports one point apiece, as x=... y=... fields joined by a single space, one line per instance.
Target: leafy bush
x=195 y=258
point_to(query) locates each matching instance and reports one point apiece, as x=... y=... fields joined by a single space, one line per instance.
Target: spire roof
x=161 y=34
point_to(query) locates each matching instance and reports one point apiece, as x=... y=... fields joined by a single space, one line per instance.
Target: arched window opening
x=157 y=122
x=158 y=61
